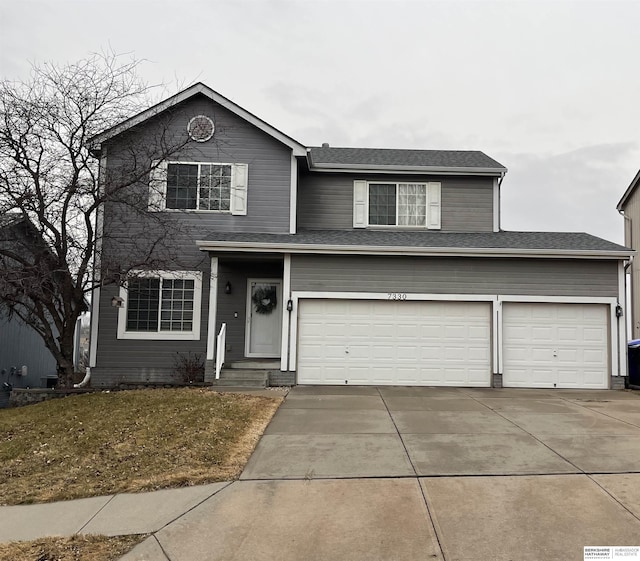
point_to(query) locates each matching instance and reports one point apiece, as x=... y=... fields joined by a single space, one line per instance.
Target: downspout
x=627 y=265
x=499 y=209
x=85 y=380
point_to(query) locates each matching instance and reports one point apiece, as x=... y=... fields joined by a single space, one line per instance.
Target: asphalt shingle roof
x=403 y=158
x=570 y=241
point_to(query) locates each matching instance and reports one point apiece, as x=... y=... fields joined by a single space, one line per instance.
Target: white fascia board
x=397 y=170
x=629 y=192
x=199 y=88
x=253 y=247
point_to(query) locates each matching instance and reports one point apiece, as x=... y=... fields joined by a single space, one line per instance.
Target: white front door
x=264 y=318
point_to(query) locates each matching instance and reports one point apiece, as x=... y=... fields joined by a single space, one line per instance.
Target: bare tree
x=50 y=179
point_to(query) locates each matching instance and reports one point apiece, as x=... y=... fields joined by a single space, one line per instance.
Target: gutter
x=261 y=247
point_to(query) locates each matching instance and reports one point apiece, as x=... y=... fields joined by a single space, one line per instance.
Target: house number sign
x=397 y=295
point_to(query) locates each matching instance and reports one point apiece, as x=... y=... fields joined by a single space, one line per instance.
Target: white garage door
x=394 y=342
x=555 y=345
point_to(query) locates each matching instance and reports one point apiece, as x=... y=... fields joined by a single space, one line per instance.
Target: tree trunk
x=65 y=375
x=65 y=369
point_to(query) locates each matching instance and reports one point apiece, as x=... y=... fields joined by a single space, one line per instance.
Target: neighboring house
x=629 y=207
x=353 y=266
x=25 y=361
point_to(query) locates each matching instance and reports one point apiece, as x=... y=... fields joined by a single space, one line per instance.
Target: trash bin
x=634 y=362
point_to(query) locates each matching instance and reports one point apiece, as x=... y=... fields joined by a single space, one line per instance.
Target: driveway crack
x=417 y=478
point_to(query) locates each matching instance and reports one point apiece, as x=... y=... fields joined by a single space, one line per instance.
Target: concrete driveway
x=391 y=473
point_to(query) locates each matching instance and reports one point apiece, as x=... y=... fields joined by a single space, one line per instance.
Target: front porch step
x=254 y=364
x=246 y=377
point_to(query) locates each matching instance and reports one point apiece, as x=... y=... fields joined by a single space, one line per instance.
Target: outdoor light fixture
x=619 y=311
x=227 y=288
x=289 y=305
x=117 y=302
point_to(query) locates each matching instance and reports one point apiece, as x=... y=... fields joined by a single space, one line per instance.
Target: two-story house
x=353 y=266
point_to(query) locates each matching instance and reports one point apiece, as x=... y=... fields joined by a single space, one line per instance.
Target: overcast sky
x=549 y=89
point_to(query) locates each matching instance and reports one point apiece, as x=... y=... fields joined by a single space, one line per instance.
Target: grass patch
x=127 y=441
x=77 y=548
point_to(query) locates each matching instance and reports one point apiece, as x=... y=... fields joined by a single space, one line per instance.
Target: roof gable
x=197 y=89
x=630 y=190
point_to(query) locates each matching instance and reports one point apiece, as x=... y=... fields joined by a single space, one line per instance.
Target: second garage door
x=555 y=345
x=394 y=342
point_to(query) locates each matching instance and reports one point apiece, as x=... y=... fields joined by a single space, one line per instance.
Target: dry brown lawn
x=77 y=548
x=127 y=441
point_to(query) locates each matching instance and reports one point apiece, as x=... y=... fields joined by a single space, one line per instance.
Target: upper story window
x=397 y=204
x=404 y=205
x=199 y=186
x=162 y=305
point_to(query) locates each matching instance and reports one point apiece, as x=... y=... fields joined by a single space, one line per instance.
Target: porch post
x=286 y=315
x=210 y=367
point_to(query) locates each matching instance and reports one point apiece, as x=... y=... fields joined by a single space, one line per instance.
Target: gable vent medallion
x=201 y=128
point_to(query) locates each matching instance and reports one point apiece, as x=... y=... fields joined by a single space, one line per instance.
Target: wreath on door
x=264 y=299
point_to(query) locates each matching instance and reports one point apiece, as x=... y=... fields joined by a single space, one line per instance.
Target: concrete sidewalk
x=112 y=515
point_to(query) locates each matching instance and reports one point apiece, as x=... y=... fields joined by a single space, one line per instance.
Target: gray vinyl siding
x=235 y=141
x=467 y=204
x=21 y=346
x=543 y=277
x=325 y=201
x=140 y=360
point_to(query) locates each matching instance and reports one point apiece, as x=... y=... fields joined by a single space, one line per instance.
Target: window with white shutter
x=400 y=205
x=201 y=186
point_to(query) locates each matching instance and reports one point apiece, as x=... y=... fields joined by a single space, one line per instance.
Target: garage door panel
x=539 y=333
x=570 y=334
x=565 y=346
x=408 y=342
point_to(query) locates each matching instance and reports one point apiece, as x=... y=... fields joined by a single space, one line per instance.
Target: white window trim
x=429 y=203
x=193 y=335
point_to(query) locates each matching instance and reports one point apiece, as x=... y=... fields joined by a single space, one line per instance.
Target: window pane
x=215 y=187
x=412 y=204
x=177 y=304
x=382 y=204
x=182 y=186
x=142 y=304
